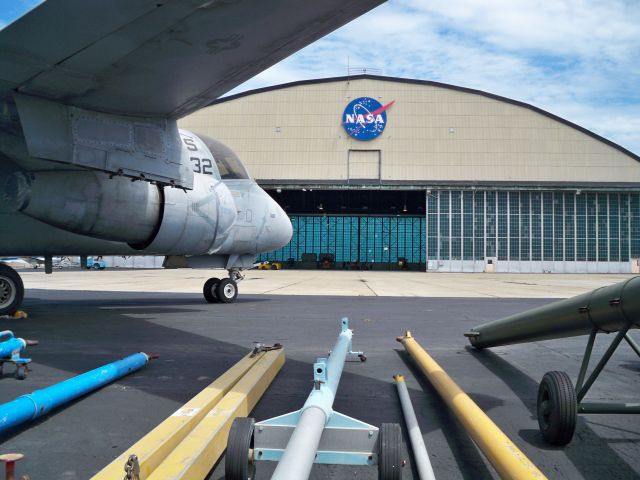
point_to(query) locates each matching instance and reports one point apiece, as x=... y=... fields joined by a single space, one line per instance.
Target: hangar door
x=364 y=165
x=370 y=241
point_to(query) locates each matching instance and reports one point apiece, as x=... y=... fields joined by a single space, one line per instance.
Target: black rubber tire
x=96 y=266
x=11 y=290
x=227 y=291
x=389 y=456
x=274 y=267
x=557 y=408
x=239 y=444
x=210 y=290
x=21 y=372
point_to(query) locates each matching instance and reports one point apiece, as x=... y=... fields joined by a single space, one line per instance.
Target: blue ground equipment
x=10 y=348
x=40 y=402
x=315 y=433
x=95 y=263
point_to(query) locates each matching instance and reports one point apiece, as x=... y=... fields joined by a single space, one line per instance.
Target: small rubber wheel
x=227 y=290
x=210 y=290
x=557 y=408
x=11 y=290
x=238 y=461
x=274 y=266
x=96 y=266
x=21 y=372
x=389 y=461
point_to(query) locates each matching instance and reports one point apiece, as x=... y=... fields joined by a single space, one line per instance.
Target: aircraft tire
x=389 y=457
x=227 y=290
x=237 y=465
x=11 y=290
x=557 y=408
x=210 y=290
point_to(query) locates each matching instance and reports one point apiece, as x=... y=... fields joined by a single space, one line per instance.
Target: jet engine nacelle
x=145 y=216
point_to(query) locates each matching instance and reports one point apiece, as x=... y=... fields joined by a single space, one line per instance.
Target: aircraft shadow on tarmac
x=588 y=451
x=78 y=334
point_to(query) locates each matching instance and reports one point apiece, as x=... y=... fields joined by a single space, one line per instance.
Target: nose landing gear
x=11 y=290
x=225 y=290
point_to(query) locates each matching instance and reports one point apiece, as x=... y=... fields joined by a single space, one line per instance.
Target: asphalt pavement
x=80 y=330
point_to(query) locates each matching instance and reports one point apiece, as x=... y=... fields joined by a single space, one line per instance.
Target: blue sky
x=579 y=59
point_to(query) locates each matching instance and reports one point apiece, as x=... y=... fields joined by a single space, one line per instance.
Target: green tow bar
x=611 y=309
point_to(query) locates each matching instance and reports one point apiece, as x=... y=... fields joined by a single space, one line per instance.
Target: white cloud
x=579 y=59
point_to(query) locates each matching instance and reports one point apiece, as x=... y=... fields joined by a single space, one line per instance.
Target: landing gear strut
x=11 y=290
x=225 y=290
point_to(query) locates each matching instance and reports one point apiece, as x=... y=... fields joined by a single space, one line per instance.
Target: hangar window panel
x=614 y=227
x=443 y=231
x=456 y=226
x=503 y=226
x=402 y=239
x=514 y=226
x=478 y=225
x=432 y=236
x=432 y=203
x=569 y=227
x=581 y=228
x=592 y=220
x=324 y=235
x=491 y=224
x=420 y=231
x=624 y=228
x=525 y=226
x=547 y=226
x=558 y=226
x=603 y=228
x=634 y=219
x=467 y=225
x=536 y=228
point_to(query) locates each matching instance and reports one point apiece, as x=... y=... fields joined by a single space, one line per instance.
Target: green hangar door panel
x=364 y=165
x=366 y=242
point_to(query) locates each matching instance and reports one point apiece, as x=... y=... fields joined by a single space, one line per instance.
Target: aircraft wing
x=156 y=58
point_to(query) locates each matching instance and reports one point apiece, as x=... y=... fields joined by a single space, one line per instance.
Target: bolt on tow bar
x=315 y=433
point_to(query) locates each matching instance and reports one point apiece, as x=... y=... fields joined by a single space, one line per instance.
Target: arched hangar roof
x=435 y=134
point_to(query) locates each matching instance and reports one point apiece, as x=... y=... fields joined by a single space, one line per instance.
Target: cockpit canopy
x=228 y=163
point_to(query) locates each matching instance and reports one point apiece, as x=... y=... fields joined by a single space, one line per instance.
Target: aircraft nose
x=282 y=229
x=284 y=226
x=278 y=232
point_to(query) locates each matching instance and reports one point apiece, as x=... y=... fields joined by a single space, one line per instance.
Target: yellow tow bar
x=504 y=455
x=201 y=425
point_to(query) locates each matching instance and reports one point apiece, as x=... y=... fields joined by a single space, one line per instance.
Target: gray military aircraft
x=91 y=158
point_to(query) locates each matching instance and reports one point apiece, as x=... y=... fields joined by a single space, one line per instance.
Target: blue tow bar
x=35 y=404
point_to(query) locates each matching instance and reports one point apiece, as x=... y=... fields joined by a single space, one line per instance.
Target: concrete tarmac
x=330 y=282
x=80 y=329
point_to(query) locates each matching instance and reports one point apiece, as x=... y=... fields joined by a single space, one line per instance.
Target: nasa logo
x=365 y=118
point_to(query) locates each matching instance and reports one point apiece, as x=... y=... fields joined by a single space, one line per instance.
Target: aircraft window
x=227 y=161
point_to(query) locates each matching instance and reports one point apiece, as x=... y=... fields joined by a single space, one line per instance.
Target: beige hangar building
x=388 y=173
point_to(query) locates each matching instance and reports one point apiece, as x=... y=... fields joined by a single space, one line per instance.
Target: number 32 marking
x=203 y=165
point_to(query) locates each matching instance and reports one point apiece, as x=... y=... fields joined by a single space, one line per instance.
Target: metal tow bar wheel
x=11 y=290
x=210 y=290
x=389 y=461
x=227 y=290
x=557 y=408
x=21 y=372
x=238 y=461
